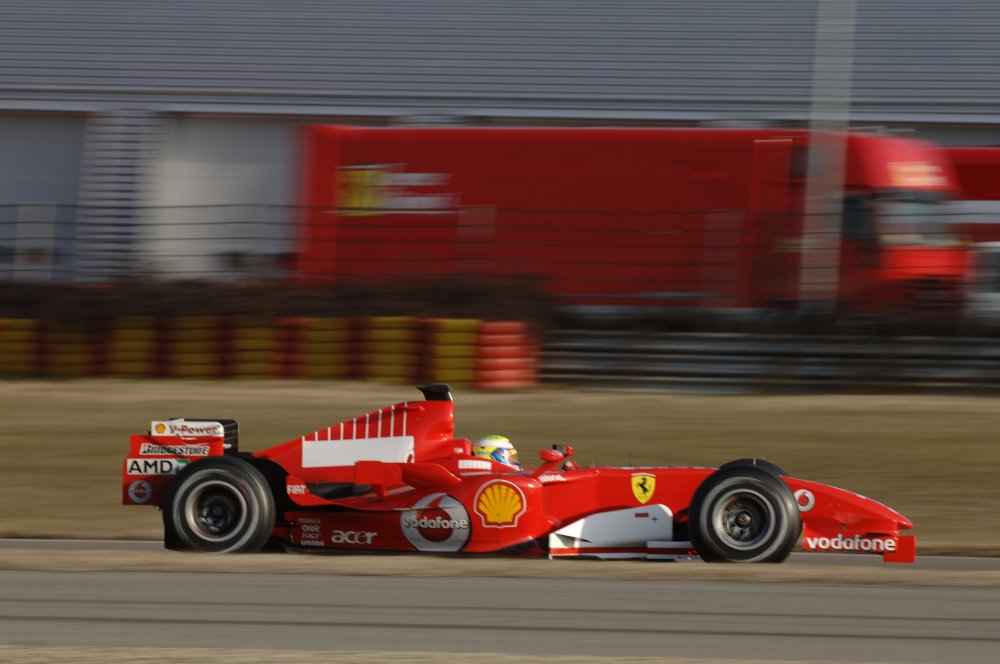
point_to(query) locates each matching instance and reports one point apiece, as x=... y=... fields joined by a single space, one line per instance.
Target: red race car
x=397 y=479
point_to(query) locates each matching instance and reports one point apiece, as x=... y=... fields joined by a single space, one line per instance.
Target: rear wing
x=154 y=458
x=408 y=432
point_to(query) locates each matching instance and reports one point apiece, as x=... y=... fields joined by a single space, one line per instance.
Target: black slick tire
x=744 y=514
x=219 y=505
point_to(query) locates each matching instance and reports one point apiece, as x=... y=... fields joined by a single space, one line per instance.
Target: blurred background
x=777 y=195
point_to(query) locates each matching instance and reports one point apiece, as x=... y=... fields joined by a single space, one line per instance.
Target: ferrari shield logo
x=643 y=486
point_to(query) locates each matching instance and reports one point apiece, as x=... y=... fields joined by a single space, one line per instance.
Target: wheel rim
x=743 y=519
x=216 y=511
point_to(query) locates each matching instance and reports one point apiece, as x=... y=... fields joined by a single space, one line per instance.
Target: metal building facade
x=164 y=120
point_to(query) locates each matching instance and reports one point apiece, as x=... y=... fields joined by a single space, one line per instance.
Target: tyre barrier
x=253 y=347
x=19 y=351
x=507 y=358
x=320 y=348
x=131 y=348
x=389 y=349
x=192 y=347
x=68 y=353
x=393 y=349
x=453 y=347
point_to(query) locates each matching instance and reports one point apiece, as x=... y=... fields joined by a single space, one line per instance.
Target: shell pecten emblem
x=500 y=504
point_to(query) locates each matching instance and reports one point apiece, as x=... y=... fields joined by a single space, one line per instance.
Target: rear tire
x=744 y=514
x=219 y=505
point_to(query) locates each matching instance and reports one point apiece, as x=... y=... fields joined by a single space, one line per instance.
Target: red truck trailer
x=671 y=217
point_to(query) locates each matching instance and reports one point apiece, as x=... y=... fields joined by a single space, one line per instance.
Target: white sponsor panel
x=154 y=449
x=326 y=453
x=474 y=464
x=185 y=429
x=630 y=527
x=856 y=543
x=436 y=522
x=136 y=466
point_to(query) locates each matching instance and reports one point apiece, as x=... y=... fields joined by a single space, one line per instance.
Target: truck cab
x=899 y=254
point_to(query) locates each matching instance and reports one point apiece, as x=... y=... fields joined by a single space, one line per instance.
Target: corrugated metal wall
x=916 y=60
x=40 y=158
x=144 y=77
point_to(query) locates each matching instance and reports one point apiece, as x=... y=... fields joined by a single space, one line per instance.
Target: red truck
x=977 y=218
x=977 y=174
x=710 y=218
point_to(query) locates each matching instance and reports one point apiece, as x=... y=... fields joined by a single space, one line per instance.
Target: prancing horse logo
x=643 y=486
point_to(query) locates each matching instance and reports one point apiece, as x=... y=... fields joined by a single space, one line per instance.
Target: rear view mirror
x=550 y=455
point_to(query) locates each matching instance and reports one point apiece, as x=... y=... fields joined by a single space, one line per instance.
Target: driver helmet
x=496 y=448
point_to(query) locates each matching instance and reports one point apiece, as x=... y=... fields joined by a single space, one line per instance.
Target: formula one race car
x=397 y=479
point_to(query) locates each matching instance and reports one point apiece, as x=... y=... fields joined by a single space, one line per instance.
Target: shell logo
x=500 y=504
x=160 y=428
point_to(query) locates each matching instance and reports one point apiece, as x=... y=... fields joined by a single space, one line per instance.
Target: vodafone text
x=433 y=523
x=856 y=543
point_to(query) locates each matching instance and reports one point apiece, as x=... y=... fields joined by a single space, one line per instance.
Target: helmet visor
x=507 y=456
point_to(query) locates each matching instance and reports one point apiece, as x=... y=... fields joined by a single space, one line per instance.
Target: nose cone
x=835 y=507
x=904 y=523
x=877 y=510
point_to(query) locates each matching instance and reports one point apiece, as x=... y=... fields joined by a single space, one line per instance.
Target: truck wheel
x=743 y=514
x=221 y=504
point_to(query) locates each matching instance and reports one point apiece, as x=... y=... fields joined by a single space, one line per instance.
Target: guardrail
x=743 y=363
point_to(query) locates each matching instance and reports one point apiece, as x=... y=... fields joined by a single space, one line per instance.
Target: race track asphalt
x=698 y=619
x=969 y=563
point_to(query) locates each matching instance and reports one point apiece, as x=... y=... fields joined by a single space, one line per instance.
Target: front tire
x=756 y=462
x=219 y=505
x=744 y=514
